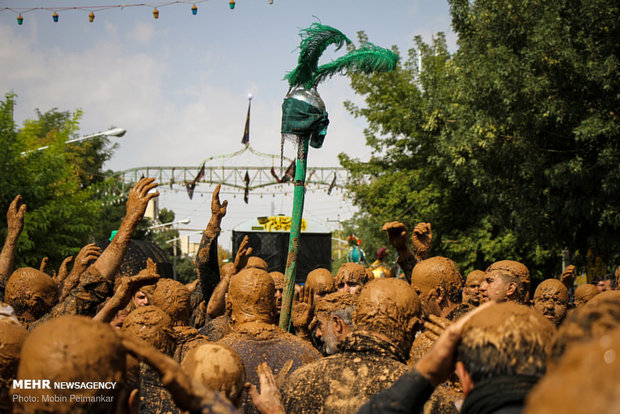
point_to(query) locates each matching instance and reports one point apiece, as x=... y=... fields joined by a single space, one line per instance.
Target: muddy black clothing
x=92 y=290
x=407 y=395
x=217 y=328
x=207 y=266
x=341 y=383
x=154 y=398
x=269 y=344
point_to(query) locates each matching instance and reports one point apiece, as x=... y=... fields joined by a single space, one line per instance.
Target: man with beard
x=333 y=320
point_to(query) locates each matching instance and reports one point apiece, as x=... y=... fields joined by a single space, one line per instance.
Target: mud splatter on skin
x=174 y=298
x=255 y=262
x=371 y=358
x=513 y=271
x=351 y=277
x=584 y=381
x=152 y=325
x=506 y=338
x=251 y=297
x=389 y=307
x=217 y=367
x=471 y=290
x=583 y=294
x=255 y=338
x=31 y=293
x=321 y=281
x=72 y=348
x=279 y=283
x=434 y=277
x=593 y=320
x=551 y=300
x=12 y=336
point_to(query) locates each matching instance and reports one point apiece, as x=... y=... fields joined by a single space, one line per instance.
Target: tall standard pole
x=293 y=244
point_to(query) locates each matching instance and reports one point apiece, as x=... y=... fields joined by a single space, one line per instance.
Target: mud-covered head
x=596 y=318
x=12 y=336
x=255 y=262
x=31 y=293
x=584 y=381
x=584 y=293
x=321 y=281
x=438 y=283
x=551 y=300
x=72 y=349
x=153 y=325
x=389 y=307
x=333 y=320
x=218 y=367
x=471 y=289
x=251 y=297
x=506 y=280
x=174 y=299
x=279 y=284
x=505 y=339
x=351 y=278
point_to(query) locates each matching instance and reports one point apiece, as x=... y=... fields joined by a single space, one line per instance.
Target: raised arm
x=110 y=260
x=15 y=224
x=207 y=266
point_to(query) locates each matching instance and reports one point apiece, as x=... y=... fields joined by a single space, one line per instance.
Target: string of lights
x=21 y=11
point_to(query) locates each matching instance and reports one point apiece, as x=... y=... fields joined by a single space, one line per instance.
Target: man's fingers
x=438 y=321
x=249 y=253
x=225 y=204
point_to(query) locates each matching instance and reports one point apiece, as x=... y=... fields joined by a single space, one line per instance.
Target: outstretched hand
x=422 y=237
x=303 y=308
x=218 y=209
x=568 y=276
x=269 y=400
x=243 y=254
x=439 y=362
x=15 y=216
x=397 y=234
x=139 y=197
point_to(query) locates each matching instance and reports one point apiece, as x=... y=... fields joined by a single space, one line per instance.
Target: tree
x=510 y=146
x=61 y=211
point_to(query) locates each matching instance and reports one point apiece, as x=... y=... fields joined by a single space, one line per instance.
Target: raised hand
x=139 y=197
x=303 y=308
x=422 y=237
x=218 y=209
x=397 y=234
x=43 y=265
x=63 y=271
x=243 y=254
x=269 y=400
x=15 y=216
x=436 y=326
x=568 y=276
x=86 y=255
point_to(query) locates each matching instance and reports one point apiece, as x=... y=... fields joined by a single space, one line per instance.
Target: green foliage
x=510 y=147
x=61 y=211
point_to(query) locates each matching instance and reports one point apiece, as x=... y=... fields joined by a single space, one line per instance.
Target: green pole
x=293 y=244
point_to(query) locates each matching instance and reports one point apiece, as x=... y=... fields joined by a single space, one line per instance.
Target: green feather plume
x=367 y=59
x=315 y=39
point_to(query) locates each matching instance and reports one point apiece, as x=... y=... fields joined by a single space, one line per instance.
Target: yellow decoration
x=91 y=17
x=279 y=223
x=156 y=13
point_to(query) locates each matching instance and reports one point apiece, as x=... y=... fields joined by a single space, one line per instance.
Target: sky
x=179 y=85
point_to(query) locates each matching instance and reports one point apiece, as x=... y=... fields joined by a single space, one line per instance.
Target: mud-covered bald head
x=218 y=367
x=438 y=283
x=505 y=339
x=351 y=277
x=584 y=293
x=70 y=349
x=389 y=307
x=506 y=280
x=12 y=336
x=174 y=299
x=321 y=281
x=584 y=381
x=152 y=325
x=551 y=300
x=251 y=297
x=255 y=262
x=31 y=293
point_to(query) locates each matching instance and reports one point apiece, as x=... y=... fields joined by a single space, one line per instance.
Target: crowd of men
x=88 y=339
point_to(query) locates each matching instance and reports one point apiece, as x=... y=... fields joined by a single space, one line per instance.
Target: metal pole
x=293 y=245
